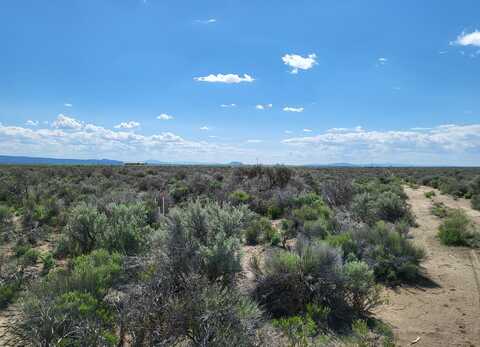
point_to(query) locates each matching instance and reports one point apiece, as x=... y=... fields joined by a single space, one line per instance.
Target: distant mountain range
x=18 y=160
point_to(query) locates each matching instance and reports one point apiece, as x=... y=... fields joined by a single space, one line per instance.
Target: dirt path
x=8 y=317
x=446 y=310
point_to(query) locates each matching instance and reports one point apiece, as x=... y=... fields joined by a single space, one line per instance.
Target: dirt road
x=444 y=311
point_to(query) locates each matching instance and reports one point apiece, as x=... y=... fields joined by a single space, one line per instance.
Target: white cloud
x=127 y=125
x=206 y=21
x=263 y=107
x=288 y=132
x=293 y=109
x=382 y=61
x=165 y=116
x=93 y=141
x=448 y=144
x=297 y=62
x=437 y=144
x=307 y=130
x=67 y=105
x=228 y=105
x=32 y=123
x=470 y=39
x=254 y=141
x=204 y=128
x=65 y=122
x=345 y=130
x=228 y=78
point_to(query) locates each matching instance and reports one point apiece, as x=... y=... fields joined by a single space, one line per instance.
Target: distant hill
x=18 y=160
x=357 y=165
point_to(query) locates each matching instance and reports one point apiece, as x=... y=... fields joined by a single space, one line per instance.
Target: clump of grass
x=457 y=230
x=430 y=194
x=440 y=210
x=476 y=202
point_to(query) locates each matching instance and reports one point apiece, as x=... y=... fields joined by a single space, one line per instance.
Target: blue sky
x=216 y=81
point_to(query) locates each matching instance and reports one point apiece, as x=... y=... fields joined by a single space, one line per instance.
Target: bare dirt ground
x=445 y=309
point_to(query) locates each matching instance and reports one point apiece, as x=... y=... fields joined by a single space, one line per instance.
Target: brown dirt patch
x=445 y=309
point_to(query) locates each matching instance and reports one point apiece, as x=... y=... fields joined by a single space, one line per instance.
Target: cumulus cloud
x=127 y=125
x=432 y=143
x=32 y=123
x=204 y=128
x=254 y=141
x=263 y=107
x=306 y=130
x=469 y=39
x=67 y=105
x=293 y=109
x=228 y=105
x=164 y=116
x=228 y=78
x=93 y=141
x=66 y=122
x=297 y=62
x=288 y=131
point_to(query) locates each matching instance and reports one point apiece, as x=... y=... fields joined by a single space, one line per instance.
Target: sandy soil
x=445 y=309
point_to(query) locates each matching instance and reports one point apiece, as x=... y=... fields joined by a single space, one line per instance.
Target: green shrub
x=318 y=228
x=178 y=191
x=391 y=207
x=127 y=230
x=297 y=329
x=252 y=235
x=274 y=211
x=476 y=202
x=456 y=230
x=314 y=274
x=239 y=197
x=5 y=216
x=440 y=210
x=276 y=239
x=123 y=229
x=93 y=320
x=67 y=305
x=8 y=292
x=62 y=249
x=48 y=262
x=392 y=257
x=343 y=241
x=259 y=231
x=21 y=248
x=363 y=206
x=376 y=201
x=362 y=292
x=311 y=216
x=196 y=312
x=70 y=319
x=30 y=257
x=84 y=226
x=206 y=239
x=96 y=272
x=430 y=194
